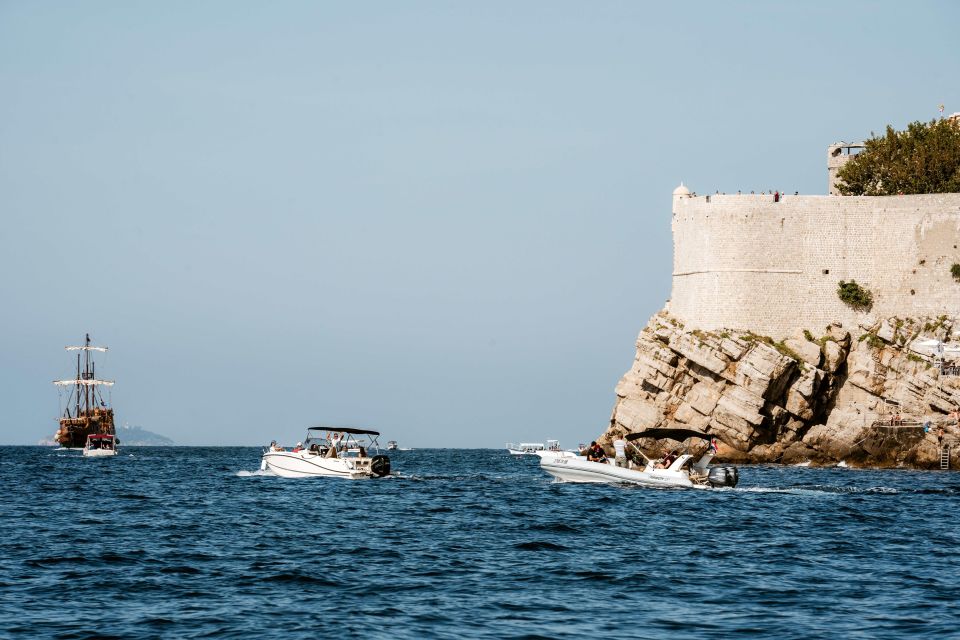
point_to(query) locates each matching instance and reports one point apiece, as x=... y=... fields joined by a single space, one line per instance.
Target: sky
x=444 y=221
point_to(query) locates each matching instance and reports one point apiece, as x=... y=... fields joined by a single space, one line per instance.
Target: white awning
x=83 y=383
x=86 y=349
x=936 y=346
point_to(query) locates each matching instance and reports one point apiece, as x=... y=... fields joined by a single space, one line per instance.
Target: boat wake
x=250 y=474
x=821 y=489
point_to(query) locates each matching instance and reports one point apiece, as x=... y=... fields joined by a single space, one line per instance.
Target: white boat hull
x=305 y=464
x=573 y=468
x=99 y=453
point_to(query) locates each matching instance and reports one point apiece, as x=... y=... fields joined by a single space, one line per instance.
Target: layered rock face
x=821 y=398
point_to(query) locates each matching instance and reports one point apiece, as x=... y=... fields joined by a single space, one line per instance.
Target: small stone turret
x=838 y=154
x=680 y=193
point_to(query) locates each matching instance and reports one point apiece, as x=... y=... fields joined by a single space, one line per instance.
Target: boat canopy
x=85 y=383
x=366 y=432
x=670 y=434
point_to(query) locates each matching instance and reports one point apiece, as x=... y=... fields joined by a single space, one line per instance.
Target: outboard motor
x=723 y=476
x=380 y=466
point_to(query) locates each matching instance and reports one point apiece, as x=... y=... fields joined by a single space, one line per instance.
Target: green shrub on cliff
x=925 y=158
x=854 y=295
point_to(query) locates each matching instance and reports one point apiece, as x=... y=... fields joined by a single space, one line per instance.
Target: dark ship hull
x=74 y=431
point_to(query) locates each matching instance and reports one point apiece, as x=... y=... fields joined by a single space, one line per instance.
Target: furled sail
x=84 y=383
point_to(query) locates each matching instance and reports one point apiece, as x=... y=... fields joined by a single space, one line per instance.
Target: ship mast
x=86 y=374
x=86 y=382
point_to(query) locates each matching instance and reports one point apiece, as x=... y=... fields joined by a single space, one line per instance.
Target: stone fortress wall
x=746 y=262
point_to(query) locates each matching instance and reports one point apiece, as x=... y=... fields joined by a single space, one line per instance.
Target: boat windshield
x=345 y=442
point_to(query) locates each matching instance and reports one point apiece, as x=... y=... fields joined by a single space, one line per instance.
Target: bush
x=924 y=158
x=955 y=271
x=854 y=295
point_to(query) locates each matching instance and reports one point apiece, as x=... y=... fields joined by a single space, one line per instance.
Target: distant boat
x=99 y=445
x=392 y=445
x=87 y=411
x=524 y=448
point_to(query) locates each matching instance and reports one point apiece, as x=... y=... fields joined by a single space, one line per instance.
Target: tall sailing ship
x=87 y=412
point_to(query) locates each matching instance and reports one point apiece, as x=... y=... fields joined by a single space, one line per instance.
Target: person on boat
x=298 y=448
x=596 y=453
x=620 y=451
x=666 y=461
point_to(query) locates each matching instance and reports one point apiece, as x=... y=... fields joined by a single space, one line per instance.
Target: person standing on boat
x=620 y=451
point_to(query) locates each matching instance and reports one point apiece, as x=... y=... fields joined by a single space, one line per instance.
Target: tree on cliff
x=925 y=158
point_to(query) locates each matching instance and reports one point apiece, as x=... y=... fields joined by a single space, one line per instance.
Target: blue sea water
x=180 y=542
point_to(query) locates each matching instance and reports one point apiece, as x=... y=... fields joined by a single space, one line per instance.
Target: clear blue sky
x=444 y=220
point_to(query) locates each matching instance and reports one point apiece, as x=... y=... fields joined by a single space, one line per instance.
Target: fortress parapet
x=747 y=262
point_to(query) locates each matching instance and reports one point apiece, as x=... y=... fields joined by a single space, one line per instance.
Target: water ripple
x=197 y=542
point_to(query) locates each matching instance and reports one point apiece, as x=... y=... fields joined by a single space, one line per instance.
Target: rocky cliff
x=858 y=395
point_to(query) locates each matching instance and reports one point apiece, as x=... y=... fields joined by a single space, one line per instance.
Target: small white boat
x=392 y=445
x=524 y=448
x=681 y=472
x=99 y=445
x=337 y=454
x=553 y=449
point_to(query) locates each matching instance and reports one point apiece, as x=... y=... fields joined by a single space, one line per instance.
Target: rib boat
x=682 y=472
x=87 y=411
x=329 y=452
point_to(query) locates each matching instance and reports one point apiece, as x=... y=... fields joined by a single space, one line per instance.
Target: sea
x=184 y=542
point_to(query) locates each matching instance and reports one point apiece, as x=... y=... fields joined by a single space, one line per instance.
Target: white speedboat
x=524 y=448
x=553 y=450
x=339 y=453
x=99 y=445
x=392 y=445
x=681 y=472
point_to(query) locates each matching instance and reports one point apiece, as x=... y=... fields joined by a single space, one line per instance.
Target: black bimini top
x=671 y=434
x=365 y=432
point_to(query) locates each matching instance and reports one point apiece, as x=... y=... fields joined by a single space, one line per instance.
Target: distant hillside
x=132 y=436
x=140 y=437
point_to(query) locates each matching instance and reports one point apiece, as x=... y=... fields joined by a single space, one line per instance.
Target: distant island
x=140 y=437
x=130 y=436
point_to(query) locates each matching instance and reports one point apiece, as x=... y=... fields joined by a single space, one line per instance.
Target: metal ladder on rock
x=945 y=457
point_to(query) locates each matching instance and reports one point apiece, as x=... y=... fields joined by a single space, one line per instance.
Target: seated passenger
x=298 y=448
x=596 y=453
